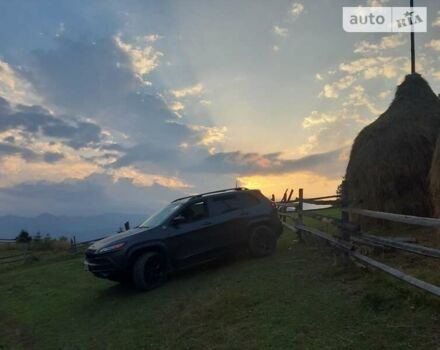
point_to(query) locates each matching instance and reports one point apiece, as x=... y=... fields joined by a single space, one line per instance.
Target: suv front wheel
x=262 y=241
x=149 y=271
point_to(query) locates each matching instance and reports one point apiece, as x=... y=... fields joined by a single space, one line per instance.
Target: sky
x=110 y=106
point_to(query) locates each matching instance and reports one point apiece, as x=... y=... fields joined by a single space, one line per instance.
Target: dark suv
x=186 y=232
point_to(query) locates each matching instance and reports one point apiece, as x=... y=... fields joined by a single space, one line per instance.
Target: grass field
x=295 y=299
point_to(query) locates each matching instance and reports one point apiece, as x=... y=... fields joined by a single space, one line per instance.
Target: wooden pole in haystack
x=413 y=50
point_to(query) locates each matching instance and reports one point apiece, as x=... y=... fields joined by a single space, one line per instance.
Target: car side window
x=249 y=200
x=217 y=206
x=223 y=204
x=195 y=211
x=233 y=202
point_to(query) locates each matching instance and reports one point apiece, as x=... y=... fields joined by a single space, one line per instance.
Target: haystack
x=435 y=180
x=391 y=158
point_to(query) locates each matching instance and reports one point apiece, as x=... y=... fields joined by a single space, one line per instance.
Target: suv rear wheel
x=262 y=241
x=149 y=271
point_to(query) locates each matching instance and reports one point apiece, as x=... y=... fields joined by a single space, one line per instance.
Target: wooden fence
x=349 y=236
x=27 y=253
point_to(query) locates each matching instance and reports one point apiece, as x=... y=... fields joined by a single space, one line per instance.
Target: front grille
x=90 y=253
x=97 y=263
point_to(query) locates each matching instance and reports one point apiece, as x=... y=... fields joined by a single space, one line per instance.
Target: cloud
x=95 y=194
x=209 y=135
x=52 y=157
x=385 y=94
x=296 y=9
x=82 y=76
x=316 y=118
x=332 y=90
x=143 y=57
x=143 y=179
x=193 y=90
x=283 y=32
x=433 y=44
x=436 y=75
x=170 y=156
x=14 y=87
x=177 y=106
x=358 y=98
x=386 y=42
x=129 y=131
x=37 y=120
x=336 y=130
x=7 y=149
x=25 y=153
x=61 y=29
x=205 y=102
x=107 y=90
x=272 y=163
x=152 y=38
x=373 y=67
x=146 y=152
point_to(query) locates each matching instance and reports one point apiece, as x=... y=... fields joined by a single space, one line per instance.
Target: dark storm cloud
x=38 y=120
x=263 y=164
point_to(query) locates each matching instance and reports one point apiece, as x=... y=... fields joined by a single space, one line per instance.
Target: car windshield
x=163 y=214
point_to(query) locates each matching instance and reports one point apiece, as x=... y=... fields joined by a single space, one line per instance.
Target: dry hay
x=391 y=158
x=435 y=180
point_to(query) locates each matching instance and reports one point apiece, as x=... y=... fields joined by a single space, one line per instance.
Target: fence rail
x=409 y=247
x=404 y=219
x=28 y=253
x=349 y=235
x=320 y=202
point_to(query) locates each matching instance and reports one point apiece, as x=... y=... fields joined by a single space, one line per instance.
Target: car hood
x=116 y=238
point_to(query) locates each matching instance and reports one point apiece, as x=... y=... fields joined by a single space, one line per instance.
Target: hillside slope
x=295 y=299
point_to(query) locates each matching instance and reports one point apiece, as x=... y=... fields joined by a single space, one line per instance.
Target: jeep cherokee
x=188 y=231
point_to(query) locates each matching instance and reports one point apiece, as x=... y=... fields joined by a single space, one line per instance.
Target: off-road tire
x=149 y=271
x=262 y=242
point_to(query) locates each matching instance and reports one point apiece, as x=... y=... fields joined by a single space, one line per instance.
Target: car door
x=191 y=240
x=222 y=216
x=247 y=211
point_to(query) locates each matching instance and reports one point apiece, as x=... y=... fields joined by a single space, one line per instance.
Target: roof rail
x=212 y=192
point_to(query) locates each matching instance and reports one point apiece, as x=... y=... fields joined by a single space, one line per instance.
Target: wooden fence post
x=344 y=230
x=290 y=195
x=299 y=210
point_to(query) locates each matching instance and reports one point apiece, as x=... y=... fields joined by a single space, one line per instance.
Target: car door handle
x=244 y=213
x=207 y=223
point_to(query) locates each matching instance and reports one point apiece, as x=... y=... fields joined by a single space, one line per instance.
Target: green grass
x=295 y=299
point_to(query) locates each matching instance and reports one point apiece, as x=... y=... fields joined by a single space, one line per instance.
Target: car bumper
x=103 y=266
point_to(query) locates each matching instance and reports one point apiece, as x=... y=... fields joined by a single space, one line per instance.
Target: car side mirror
x=179 y=219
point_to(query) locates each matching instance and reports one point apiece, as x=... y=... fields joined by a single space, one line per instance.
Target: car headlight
x=112 y=248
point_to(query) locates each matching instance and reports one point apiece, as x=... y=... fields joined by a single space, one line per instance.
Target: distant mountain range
x=84 y=228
